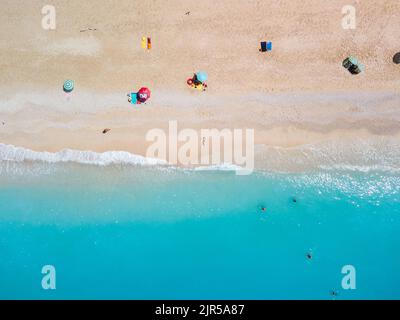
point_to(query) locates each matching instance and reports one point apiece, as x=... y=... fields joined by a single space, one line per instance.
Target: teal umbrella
x=68 y=85
x=201 y=76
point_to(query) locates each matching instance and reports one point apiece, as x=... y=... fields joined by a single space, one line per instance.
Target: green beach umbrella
x=68 y=85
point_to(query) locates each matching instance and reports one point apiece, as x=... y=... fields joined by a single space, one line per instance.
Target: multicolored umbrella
x=143 y=94
x=201 y=76
x=68 y=85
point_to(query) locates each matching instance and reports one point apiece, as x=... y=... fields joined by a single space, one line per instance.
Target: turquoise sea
x=137 y=232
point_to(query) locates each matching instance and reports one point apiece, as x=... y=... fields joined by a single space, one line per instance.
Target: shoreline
x=359 y=155
x=289 y=128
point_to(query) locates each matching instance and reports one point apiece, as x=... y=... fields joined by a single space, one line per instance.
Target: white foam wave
x=360 y=168
x=363 y=156
x=18 y=154
x=220 y=167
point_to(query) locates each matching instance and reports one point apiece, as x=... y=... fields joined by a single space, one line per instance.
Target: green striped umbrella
x=68 y=85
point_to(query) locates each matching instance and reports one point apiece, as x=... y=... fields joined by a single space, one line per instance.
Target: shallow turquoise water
x=147 y=233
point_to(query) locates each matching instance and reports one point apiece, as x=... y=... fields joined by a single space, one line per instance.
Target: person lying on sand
x=88 y=29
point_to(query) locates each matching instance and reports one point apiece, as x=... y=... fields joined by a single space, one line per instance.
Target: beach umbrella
x=396 y=58
x=201 y=76
x=348 y=62
x=143 y=94
x=353 y=65
x=68 y=85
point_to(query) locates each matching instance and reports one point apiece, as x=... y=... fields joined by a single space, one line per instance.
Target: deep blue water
x=140 y=233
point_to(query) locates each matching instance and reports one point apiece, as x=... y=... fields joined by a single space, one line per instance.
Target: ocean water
x=126 y=231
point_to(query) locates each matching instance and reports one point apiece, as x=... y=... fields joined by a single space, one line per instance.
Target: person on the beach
x=197 y=83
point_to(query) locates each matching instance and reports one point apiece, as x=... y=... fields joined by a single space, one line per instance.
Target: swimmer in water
x=309 y=256
x=294 y=200
x=263 y=209
x=334 y=293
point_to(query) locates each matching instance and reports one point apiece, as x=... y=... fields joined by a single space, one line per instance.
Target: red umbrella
x=143 y=94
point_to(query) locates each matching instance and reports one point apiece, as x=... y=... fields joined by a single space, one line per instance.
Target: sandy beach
x=304 y=204
x=295 y=96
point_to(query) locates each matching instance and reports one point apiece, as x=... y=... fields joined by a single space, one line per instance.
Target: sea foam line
x=19 y=154
x=317 y=157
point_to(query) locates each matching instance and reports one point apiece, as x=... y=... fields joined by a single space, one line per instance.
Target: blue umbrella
x=201 y=76
x=68 y=85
